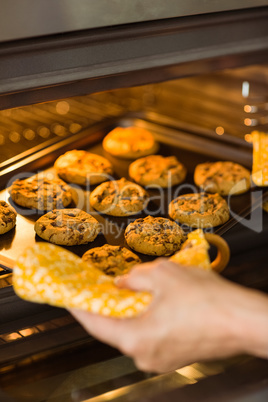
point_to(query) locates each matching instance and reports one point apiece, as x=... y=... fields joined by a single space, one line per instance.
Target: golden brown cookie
x=41 y=193
x=45 y=273
x=199 y=210
x=119 y=198
x=82 y=167
x=157 y=170
x=222 y=177
x=67 y=227
x=112 y=260
x=7 y=217
x=130 y=142
x=154 y=236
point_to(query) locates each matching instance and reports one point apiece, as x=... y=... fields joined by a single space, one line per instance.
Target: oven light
x=62 y=107
x=75 y=127
x=250 y=122
x=219 y=130
x=248 y=137
x=245 y=89
x=14 y=136
x=59 y=130
x=250 y=109
x=44 y=132
x=29 y=134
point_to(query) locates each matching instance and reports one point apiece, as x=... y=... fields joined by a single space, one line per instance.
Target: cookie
x=154 y=236
x=68 y=227
x=45 y=273
x=112 y=260
x=41 y=193
x=8 y=217
x=119 y=198
x=199 y=210
x=222 y=177
x=130 y=142
x=158 y=171
x=82 y=167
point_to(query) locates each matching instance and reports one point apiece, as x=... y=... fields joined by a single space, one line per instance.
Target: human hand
x=194 y=315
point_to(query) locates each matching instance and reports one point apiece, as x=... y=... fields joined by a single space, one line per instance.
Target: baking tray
x=190 y=149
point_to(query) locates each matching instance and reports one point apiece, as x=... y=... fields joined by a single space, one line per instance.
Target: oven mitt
x=194 y=251
x=46 y=273
x=260 y=158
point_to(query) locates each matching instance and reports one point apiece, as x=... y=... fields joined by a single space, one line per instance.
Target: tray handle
x=223 y=251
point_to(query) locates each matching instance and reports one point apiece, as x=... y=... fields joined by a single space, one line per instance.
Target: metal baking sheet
x=190 y=149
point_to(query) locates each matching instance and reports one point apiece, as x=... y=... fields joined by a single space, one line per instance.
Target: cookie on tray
x=119 y=198
x=154 y=236
x=41 y=193
x=199 y=210
x=68 y=227
x=157 y=170
x=8 y=217
x=82 y=167
x=112 y=260
x=130 y=142
x=222 y=177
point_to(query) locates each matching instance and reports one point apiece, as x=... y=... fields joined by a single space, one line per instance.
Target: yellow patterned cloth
x=194 y=251
x=260 y=158
x=46 y=273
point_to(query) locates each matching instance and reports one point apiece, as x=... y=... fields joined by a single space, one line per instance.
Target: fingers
x=106 y=329
x=142 y=277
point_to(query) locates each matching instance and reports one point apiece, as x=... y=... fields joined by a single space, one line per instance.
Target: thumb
x=140 y=278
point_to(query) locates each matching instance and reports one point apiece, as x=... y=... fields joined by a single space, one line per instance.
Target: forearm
x=195 y=315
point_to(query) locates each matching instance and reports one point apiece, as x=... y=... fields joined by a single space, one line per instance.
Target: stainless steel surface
x=31 y=18
x=90 y=61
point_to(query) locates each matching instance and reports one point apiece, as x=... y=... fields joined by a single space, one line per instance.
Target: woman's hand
x=195 y=315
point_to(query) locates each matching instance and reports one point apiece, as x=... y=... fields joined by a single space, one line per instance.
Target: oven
x=196 y=76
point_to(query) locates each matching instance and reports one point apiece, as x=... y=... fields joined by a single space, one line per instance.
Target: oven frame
x=54 y=67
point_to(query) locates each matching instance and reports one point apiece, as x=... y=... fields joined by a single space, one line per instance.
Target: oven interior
x=44 y=353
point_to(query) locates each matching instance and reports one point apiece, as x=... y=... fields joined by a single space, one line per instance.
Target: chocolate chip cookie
x=112 y=260
x=222 y=177
x=82 y=167
x=199 y=210
x=41 y=193
x=157 y=170
x=8 y=217
x=154 y=236
x=119 y=198
x=68 y=227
